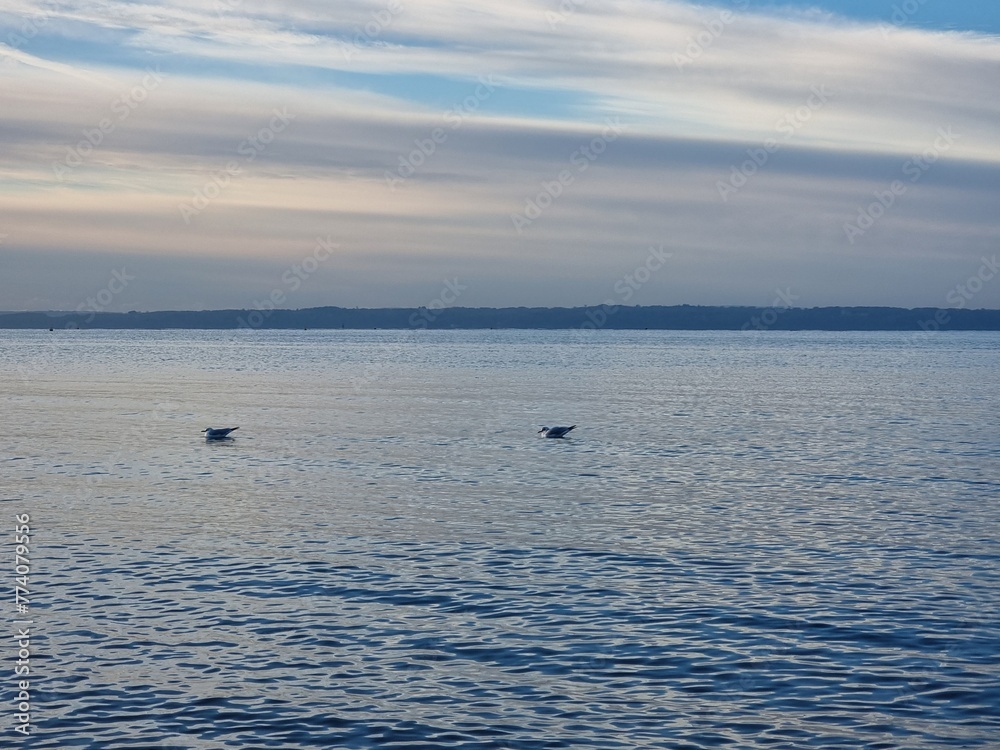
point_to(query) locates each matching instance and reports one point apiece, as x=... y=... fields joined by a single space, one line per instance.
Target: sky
x=250 y=153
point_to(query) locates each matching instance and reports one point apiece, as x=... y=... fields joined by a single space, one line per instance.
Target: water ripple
x=730 y=552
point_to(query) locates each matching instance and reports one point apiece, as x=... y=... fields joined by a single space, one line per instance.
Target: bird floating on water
x=218 y=433
x=555 y=432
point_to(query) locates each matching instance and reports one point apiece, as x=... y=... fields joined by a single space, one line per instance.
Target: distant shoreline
x=675 y=318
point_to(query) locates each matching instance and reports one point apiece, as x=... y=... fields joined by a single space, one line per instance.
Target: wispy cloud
x=227 y=66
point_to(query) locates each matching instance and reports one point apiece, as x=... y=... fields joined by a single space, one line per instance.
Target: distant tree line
x=676 y=317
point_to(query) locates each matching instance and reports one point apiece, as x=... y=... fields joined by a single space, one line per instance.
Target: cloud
x=359 y=160
x=673 y=66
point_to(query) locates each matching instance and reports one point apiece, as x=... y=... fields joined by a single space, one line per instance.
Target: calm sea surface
x=777 y=540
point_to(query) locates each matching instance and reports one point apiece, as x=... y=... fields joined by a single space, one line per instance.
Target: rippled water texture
x=776 y=540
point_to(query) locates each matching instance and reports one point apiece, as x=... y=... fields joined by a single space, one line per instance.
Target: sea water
x=751 y=540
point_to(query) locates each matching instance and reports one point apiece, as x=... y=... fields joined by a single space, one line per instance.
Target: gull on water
x=218 y=433
x=555 y=432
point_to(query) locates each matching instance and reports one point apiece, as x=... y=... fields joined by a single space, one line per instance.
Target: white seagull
x=555 y=432
x=218 y=433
